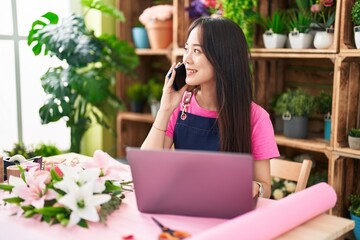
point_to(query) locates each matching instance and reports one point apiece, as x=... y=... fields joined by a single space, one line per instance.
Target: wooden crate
x=346 y=29
x=347 y=108
x=266 y=8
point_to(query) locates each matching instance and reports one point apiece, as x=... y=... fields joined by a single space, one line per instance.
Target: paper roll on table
x=276 y=218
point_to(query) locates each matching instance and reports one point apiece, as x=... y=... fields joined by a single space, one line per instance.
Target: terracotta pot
x=159 y=33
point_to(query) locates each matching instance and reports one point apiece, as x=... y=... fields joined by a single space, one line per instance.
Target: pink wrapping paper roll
x=276 y=218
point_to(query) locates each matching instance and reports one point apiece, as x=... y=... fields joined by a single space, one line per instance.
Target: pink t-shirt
x=263 y=142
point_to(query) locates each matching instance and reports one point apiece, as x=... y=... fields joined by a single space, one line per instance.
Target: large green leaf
x=101 y=6
x=34 y=36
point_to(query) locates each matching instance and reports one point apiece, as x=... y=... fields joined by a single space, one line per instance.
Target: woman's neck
x=206 y=98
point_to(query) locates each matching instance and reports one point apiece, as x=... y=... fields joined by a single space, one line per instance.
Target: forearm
x=156 y=137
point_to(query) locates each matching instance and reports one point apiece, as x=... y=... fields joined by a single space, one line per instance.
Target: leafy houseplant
x=354 y=210
x=295 y=106
x=244 y=14
x=80 y=93
x=138 y=94
x=354 y=138
x=355 y=16
x=155 y=89
x=275 y=29
x=299 y=22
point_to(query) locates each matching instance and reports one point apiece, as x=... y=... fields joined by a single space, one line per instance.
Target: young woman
x=219 y=115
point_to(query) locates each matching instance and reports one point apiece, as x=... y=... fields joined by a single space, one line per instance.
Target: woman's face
x=199 y=70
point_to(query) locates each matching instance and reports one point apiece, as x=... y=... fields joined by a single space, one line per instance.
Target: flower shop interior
x=86 y=77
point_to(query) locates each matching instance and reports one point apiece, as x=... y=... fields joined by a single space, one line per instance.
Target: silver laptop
x=192 y=183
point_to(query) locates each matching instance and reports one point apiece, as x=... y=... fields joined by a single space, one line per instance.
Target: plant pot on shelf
x=159 y=33
x=324 y=39
x=274 y=40
x=137 y=107
x=354 y=142
x=327 y=127
x=154 y=107
x=357 y=225
x=300 y=40
x=294 y=126
x=140 y=37
x=357 y=36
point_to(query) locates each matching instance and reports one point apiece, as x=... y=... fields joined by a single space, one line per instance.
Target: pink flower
x=327 y=3
x=158 y=12
x=108 y=170
x=210 y=3
x=316 y=8
x=33 y=191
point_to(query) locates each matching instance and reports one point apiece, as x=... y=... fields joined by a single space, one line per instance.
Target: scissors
x=169 y=234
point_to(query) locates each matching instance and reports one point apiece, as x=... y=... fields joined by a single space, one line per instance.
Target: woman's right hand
x=170 y=99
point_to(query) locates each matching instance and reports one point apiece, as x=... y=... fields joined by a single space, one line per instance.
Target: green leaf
x=13 y=200
x=83 y=223
x=103 y=7
x=51 y=211
x=6 y=187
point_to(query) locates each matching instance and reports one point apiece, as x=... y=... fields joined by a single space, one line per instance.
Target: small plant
x=354 y=132
x=296 y=102
x=44 y=150
x=354 y=207
x=137 y=92
x=155 y=89
x=276 y=23
x=355 y=13
x=324 y=103
x=300 y=21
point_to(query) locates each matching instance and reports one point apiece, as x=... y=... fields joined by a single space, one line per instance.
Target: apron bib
x=194 y=132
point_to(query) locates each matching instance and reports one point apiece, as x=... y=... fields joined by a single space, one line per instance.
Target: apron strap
x=186 y=103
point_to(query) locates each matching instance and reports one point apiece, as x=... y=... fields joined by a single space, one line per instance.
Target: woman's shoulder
x=257 y=110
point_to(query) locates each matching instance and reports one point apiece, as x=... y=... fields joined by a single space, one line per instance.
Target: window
x=21 y=94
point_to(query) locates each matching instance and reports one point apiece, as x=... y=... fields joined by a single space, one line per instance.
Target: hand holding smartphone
x=180 y=77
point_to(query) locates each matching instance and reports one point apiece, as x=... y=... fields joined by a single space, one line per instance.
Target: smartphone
x=180 y=77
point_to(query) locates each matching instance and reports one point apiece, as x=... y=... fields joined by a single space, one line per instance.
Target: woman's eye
x=186 y=49
x=196 y=51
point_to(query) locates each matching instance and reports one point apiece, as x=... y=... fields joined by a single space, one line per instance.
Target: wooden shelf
x=136 y=117
x=292 y=53
x=151 y=52
x=311 y=144
x=347 y=152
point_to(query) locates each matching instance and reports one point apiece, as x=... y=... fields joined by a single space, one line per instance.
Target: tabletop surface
x=129 y=221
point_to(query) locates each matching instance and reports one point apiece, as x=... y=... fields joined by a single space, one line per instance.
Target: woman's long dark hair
x=224 y=44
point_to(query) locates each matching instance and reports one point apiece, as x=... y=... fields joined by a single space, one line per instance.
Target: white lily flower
x=82 y=202
x=80 y=177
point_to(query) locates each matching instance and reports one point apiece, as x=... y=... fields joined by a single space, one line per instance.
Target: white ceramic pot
x=354 y=142
x=357 y=36
x=323 y=40
x=274 y=40
x=300 y=40
x=154 y=107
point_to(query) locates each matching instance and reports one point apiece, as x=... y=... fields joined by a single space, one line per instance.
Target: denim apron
x=194 y=132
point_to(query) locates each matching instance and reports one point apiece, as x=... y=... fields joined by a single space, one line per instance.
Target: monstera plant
x=80 y=91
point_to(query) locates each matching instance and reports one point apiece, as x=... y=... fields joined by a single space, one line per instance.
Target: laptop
x=192 y=183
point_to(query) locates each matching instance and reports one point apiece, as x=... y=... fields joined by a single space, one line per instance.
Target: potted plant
x=244 y=14
x=324 y=104
x=137 y=93
x=155 y=89
x=79 y=91
x=296 y=106
x=354 y=210
x=354 y=138
x=275 y=29
x=158 y=23
x=300 y=36
x=355 y=16
x=278 y=121
x=324 y=15
x=140 y=36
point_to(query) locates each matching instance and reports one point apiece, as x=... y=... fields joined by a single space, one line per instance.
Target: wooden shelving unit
x=336 y=70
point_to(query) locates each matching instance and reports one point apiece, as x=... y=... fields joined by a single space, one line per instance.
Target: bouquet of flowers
x=281 y=188
x=324 y=11
x=69 y=195
x=200 y=8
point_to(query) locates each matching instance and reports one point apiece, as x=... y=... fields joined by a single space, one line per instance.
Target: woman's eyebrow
x=194 y=45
